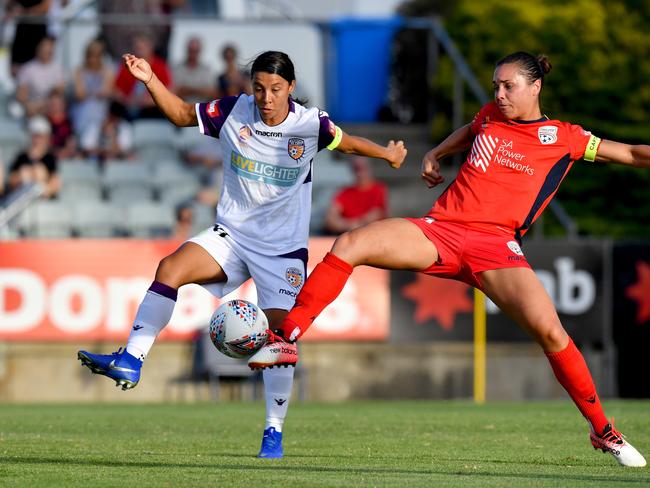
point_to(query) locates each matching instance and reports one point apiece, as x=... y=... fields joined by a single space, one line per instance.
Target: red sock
x=571 y=371
x=321 y=288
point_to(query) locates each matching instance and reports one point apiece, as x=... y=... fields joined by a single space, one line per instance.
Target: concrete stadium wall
x=50 y=372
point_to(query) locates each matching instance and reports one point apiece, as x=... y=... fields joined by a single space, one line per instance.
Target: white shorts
x=278 y=279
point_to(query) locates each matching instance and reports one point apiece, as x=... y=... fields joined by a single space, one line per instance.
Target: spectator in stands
x=192 y=77
x=118 y=35
x=38 y=78
x=233 y=80
x=184 y=227
x=29 y=31
x=37 y=164
x=112 y=139
x=93 y=86
x=63 y=139
x=167 y=8
x=134 y=95
x=363 y=202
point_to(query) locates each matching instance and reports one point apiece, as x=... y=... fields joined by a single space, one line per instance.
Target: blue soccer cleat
x=271 y=444
x=119 y=366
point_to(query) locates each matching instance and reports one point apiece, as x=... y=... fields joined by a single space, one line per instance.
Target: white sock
x=152 y=317
x=278 y=383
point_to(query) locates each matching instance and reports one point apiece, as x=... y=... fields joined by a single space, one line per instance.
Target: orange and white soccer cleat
x=276 y=352
x=613 y=442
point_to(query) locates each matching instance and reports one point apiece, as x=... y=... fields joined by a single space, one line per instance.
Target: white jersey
x=265 y=203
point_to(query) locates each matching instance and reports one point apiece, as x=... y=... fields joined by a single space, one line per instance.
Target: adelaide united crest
x=547 y=134
x=296 y=148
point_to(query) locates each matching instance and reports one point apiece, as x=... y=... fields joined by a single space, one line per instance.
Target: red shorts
x=464 y=252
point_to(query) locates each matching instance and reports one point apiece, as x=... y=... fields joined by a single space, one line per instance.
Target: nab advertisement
x=428 y=308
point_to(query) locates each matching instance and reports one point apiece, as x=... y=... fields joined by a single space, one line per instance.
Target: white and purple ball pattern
x=238 y=328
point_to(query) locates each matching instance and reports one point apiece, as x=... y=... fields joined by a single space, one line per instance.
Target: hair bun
x=544 y=63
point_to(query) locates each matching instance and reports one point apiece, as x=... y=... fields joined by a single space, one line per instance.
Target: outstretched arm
x=619 y=153
x=178 y=112
x=457 y=141
x=393 y=152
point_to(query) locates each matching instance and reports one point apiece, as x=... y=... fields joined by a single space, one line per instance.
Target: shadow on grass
x=277 y=465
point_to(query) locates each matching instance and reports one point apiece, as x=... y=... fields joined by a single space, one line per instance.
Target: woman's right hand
x=396 y=153
x=431 y=170
x=138 y=67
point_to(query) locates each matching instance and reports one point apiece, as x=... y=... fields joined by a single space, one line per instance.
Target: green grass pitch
x=404 y=444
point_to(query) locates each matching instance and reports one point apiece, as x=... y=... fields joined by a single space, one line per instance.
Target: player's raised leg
x=520 y=294
x=188 y=264
x=379 y=244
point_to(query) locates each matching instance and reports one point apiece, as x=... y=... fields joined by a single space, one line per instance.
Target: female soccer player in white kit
x=268 y=143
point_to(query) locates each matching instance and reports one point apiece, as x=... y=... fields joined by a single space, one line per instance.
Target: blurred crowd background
x=67 y=104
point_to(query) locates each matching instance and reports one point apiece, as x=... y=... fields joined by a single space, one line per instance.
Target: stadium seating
x=175 y=184
x=204 y=217
x=46 y=219
x=79 y=170
x=149 y=219
x=127 y=181
x=13 y=140
x=187 y=138
x=97 y=219
x=80 y=181
x=154 y=139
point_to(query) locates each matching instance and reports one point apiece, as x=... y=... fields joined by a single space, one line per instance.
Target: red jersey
x=512 y=172
x=355 y=202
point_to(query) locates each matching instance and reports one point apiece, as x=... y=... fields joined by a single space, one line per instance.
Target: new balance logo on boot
x=276 y=352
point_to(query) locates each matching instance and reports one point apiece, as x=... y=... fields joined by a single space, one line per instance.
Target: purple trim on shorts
x=325 y=137
x=301 y=254
x=164 y=290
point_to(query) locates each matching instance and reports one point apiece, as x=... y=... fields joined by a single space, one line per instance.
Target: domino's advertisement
x=80 y=290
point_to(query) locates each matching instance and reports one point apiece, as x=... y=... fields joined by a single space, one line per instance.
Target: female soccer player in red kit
x=518 y=159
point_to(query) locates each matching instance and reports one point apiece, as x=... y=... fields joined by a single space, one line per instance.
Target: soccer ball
x=238 y=328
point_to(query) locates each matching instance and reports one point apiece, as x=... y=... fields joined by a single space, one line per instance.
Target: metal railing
x=17 y=202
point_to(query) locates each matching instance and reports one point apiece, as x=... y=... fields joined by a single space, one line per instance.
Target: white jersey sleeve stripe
x=198 y=117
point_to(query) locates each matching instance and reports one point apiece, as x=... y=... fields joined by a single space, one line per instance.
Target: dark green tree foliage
x=600 y=79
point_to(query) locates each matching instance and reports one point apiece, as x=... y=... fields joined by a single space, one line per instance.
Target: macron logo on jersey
x=482 y=151
x=264 y=172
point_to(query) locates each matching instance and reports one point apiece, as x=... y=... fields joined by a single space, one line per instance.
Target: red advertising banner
x=80 y=290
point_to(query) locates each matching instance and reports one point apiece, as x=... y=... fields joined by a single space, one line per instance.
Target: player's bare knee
x=554 y=338
x=168 y=272
x=347 y=246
